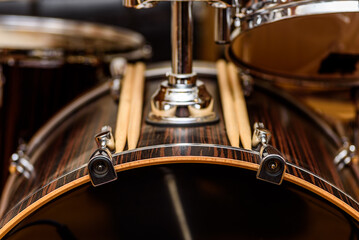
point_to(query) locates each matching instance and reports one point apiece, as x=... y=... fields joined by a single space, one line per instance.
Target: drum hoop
x=281 y=11
x=252 y=166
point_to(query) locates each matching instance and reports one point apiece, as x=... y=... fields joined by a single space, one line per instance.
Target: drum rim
x=325 y=195
x=272 y=13
x=64 y=28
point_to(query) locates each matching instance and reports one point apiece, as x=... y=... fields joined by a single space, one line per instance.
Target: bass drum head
x=186 y=201
x=318 y=51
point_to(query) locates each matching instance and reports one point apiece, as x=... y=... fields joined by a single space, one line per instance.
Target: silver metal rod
x=182 y=38
x=222 y=25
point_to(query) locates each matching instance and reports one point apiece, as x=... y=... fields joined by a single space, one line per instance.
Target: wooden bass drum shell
x=181 y=183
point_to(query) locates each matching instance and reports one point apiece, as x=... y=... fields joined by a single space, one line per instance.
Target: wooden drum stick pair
x=129 y=113
x=131 y=101
x=234 y=105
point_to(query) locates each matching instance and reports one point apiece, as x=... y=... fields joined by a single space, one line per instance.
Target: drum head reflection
x=307 y=51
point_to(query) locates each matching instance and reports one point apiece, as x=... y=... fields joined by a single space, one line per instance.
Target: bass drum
x=46 y=63
x=182 y=182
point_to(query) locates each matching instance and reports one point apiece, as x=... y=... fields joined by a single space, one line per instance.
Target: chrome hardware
x=247 y=83
x=225 y=16
x=105 y=139
x=256 y=5
x=222 y=25
x=263 y=12
x=20 y=163
x=261 y=135
x=182 y=105
x=139 y=4
x=100 y=166
x=182 y=39
x=272 y=166
x=345 y=155
x=182 y=99
x=115 y=88
x=181 y=80
x=117 y=69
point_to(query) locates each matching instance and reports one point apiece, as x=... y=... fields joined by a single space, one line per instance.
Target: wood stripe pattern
x=63 y=156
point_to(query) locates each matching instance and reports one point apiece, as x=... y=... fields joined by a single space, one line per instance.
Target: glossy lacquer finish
x=186 y=182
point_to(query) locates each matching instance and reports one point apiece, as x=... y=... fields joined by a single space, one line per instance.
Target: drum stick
x=240 y=107
x=134 y=126
x=227 y=104
x=123 y=113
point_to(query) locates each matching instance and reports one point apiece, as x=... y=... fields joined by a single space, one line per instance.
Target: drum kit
x=187 y=149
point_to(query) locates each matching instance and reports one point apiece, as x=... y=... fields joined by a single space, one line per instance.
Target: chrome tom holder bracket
x=347 y=158
x=20 y=163
x=345 y=155
x=117 y=69
x=100 y=166
x=223 y=14
x=182 y=99
x=273 y=165
x=141 y=4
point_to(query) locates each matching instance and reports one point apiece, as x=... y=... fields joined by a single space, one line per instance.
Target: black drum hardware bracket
x=273 y=165
x=100 y=166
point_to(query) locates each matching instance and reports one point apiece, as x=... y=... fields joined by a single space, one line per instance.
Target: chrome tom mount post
x=182 y=99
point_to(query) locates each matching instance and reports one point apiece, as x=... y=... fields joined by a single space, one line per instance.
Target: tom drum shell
x=301 y=44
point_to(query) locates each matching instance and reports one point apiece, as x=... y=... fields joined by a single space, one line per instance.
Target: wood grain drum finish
x=184 y=182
